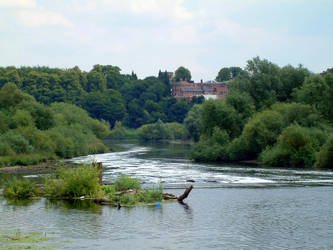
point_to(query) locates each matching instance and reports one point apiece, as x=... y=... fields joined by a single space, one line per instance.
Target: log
x=185 y=194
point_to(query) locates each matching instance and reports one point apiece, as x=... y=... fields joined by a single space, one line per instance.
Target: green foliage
x=10 y=95
x=75 y=182
x=207 y=150
x=104 y=92
x=121 y=132
x=24 y=159
x=262 y=130
x=297 y=147
x=317 y=91
x=176 y=130
x=325 y=155
x=125 y=182
x=192 y=122
x=304 y=115
x=155 y=131
x=242 y=103
x=226 y=74
x=4 y=124
x=107 y=105
x=217 y=113
x=12 y=143
x=182 y=74
x=21 y=189
x=35 y=132
x=149 y=196
x=237 y=150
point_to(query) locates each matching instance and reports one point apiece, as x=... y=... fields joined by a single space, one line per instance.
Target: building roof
x=207 y=89
x=190 y=89
x=213 y=82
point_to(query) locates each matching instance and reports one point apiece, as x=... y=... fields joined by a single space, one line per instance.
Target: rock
x=190 y=180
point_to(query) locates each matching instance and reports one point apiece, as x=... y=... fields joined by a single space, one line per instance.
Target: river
x=230 y=207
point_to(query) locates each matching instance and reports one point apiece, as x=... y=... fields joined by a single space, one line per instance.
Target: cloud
x=17 y=3
x=29 y=14
x=172 y=9
x=40 y=17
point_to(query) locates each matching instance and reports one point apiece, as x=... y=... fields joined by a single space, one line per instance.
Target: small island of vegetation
x=83 y=182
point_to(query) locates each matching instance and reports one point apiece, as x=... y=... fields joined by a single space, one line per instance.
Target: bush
x=75 y=182
x=15 y=143
x=262 y=130
x=176 y=130
x=237 y=150
x=296 y=147
x=208 y=150
x=24 y=159
x=148 y=196
x=125 y=182
x=155 y=131
x=325 y=155
x=21 y=189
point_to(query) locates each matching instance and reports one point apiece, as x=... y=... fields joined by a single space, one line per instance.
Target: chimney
x=201 y=81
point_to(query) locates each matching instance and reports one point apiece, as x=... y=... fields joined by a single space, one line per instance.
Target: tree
x=107 y=105
x=226 y=74
x=192 y=122
x=182 y=74
x=223 y=75
x=317 y=91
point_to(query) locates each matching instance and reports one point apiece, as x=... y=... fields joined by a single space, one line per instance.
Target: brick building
x=209 y=89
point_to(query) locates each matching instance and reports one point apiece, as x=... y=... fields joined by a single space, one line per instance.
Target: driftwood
x=167 y=196
x=185 y=194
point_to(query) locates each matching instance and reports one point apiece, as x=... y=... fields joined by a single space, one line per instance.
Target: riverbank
x=43 y=167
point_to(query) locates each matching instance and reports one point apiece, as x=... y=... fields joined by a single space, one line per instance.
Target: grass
x=19 y=240
x=83 y=181
x=125 y=182
x=24 y=159
x=73 y=183
x=20 y=189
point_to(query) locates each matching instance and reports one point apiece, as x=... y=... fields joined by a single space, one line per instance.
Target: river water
x=230 y=207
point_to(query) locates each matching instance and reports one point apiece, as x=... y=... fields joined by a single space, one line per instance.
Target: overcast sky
x=148 y=35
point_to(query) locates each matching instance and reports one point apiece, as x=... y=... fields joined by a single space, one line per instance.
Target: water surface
x=230 y=207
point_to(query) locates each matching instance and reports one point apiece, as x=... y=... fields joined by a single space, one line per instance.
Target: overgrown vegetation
x=31 y=132
x=279 y=116
x=20 y=189
x=73 y=183
x=83 y=182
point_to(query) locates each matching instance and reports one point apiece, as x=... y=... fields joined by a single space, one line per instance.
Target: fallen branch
x=185 y=194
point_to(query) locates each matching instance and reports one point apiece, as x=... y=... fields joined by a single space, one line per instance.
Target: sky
x=146 y=36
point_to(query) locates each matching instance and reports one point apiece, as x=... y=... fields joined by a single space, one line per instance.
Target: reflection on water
x=288 y=209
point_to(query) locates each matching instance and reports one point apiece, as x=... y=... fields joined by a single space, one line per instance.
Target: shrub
x=148 y=196
x=125 y=182
x=296 y=147
x=75 y=182
x=21 y=189
x=262 y=130
x=237 y=150
x=17 y=143
x=325 y=155
x=208 y=150
x=155 y=131
x=24 y=159
x=176 y=130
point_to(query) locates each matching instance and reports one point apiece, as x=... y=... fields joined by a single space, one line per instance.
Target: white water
x=138 y=162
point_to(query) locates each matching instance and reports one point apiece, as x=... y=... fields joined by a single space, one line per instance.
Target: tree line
x=103 y=91
x=31 y=132
x=279 y=116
